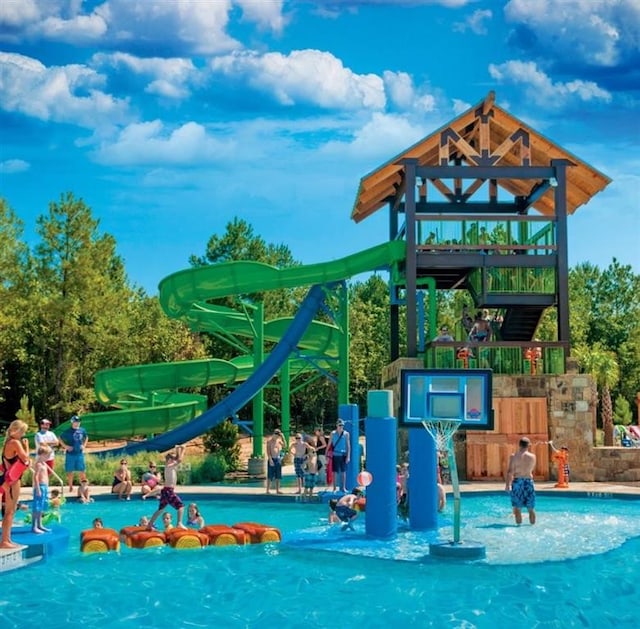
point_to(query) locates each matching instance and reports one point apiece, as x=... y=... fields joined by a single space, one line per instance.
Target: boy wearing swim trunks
x=345 y=509
x=299 y=449
x=167 y=494
x=40 y=489
x=519 y=481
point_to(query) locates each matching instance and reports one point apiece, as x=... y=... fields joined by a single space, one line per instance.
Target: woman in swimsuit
x=15 y=460
x=122 y=484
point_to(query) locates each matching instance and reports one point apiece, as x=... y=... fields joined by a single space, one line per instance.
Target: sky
x=171 y=117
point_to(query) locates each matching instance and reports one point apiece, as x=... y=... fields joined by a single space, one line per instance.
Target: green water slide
x=153 y=399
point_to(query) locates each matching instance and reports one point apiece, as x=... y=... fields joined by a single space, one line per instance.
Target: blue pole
x=422 y=484
x=351 y=416
x=381 y=516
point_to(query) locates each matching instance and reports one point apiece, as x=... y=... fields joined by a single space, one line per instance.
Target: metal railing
x=503 y=357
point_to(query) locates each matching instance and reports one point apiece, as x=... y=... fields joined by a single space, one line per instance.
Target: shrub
x=223 y=440
x=622 y=413
x=210 y=469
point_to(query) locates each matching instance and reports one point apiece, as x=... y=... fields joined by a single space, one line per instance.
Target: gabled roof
x=583 y=181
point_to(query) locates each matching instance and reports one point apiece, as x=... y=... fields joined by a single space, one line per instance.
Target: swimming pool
x=578 y=567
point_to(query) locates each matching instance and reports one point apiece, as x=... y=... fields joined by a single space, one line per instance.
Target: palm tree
x=602 y=364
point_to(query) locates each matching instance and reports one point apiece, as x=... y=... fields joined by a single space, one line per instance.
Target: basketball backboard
x=464 y=394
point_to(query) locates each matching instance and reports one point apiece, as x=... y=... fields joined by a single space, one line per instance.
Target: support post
x=258 y=400
x=381 y=519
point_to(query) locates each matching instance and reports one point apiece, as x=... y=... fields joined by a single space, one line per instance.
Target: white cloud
x=187 y=25
x=69 y=94
x=460 y=106
x=169 y=78
x=475 y=22
x=403 y=93
x=268 y=15
x=194 y=26
x=152 y=143
x=334 y=5
x=304 y=77
x=378 y=138
x=53 y=20
x=598 y=32
x=541 y=89
x=81 y=28
x=16 y=13
x=11 y=166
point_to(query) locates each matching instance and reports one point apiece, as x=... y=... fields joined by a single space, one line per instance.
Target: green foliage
x=14 y=299
x=67 y=310
x=26 y=414
x=369 y=332
x=605 y=312
x=239 y=242
x=602 y=365
x=223 y=441
x=622 y=412
x=210 y=469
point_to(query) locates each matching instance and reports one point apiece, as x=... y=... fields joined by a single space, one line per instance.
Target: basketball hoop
x=442 y=431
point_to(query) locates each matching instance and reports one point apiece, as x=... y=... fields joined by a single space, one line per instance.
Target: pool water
x=578 y=567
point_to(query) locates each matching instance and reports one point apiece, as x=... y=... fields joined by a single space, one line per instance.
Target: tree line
x=68 y=310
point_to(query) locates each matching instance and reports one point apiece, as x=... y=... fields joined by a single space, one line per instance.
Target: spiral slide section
x=243 y=394
x=182 y=416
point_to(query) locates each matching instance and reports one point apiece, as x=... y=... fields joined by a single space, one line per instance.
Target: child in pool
x=194 y=518
x=40 y=489
x=346 y=509
x=84 y=492
x=56 y=500
x=167 y=524
x=168 y=496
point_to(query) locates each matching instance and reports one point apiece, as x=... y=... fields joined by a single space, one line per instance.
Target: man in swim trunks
x=168 y=495
x=519 y=481
x=345 y=509
x=274 y=461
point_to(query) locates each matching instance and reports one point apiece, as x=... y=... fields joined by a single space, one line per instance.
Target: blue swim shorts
x=74 y=462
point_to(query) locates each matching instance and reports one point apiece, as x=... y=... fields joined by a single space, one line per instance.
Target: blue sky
x=170 y=117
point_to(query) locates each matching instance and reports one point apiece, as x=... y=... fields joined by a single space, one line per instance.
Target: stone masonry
x=571 y=408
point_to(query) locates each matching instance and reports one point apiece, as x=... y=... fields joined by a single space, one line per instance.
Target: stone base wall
x=571 y=403
x=616 y=464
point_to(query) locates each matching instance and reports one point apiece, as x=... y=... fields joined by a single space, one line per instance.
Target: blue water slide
x=240 y=396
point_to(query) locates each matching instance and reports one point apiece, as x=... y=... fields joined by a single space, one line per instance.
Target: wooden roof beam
x=473 y=188
x=381 y=189
x=443 y=189
x=448 y=137
x=488 y=103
